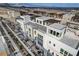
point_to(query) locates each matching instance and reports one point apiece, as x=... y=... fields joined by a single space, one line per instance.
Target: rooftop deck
x=44 y=18
x=37 y=27
x=57 y=26
x=71 y=39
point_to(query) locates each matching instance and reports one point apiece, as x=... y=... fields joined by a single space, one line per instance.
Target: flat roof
x=37 y=27
x=71 y=40
x=43 y=18
x=57 y=26
x=51 y=21
x=32 y=25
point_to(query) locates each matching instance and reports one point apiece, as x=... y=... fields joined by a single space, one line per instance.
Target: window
x=37 y=21
x=43 y=23
x=57 y=55
x=46 y=22
x=35 y=32
x=65 y=53
x=29 y=30
x=51 y=31
x=70 y=54
x=54 y=32
x=30 y=35
x=61 y=51
x=52 y=53
x=54 y=45
x=31 y=19
x=48 y=50
x=40 y=22
x=34 y=20
x=40 y=37
x=49 y=53
x=57 y=34
x=40 y=40
x=50 y=42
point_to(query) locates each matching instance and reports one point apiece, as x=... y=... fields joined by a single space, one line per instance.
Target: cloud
x=48 y=4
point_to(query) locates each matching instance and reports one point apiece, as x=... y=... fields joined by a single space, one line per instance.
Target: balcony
x=39 y=42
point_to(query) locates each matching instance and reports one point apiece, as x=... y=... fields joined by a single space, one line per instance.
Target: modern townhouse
x=51 y=35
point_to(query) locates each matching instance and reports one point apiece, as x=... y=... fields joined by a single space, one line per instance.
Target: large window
x=40 y=37
x=40 y=40
x=65 y=53
x=57 y=34
x=61 y=51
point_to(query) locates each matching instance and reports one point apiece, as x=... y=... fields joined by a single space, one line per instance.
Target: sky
x=47 y=4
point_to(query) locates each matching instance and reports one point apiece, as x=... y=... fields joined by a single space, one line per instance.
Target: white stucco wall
x=58 y=46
